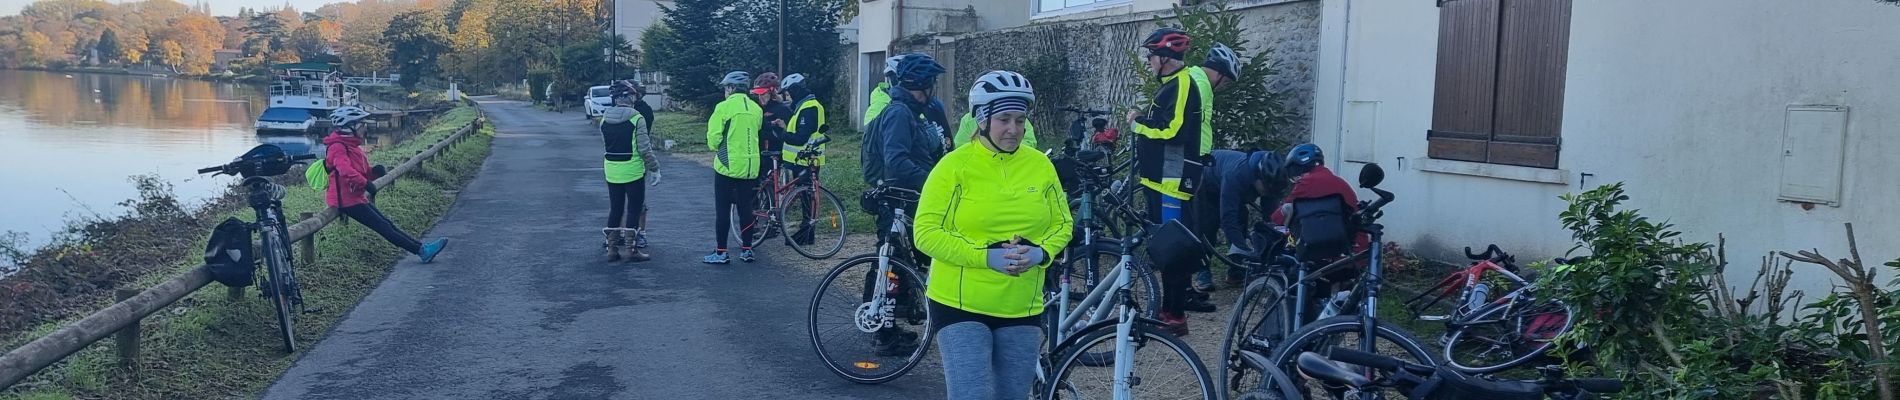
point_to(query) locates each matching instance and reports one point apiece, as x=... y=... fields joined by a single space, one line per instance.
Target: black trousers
x=626 y=199
x=1176 y=280
x=729 y=194
x=373 y=219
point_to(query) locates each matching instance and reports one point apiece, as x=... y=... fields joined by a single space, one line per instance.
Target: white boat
x=315 y=89
x=287 y=120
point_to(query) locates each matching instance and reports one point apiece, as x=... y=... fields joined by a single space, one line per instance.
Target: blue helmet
x=1303 y=158
x=916 y=71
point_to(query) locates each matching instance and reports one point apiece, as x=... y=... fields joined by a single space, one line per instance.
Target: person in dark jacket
x=1235 y=181
x=907 y=138
x=1169 y=160
x=351 y=180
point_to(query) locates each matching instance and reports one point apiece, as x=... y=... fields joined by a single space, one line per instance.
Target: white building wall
x=632 y=17
x=1683 y=100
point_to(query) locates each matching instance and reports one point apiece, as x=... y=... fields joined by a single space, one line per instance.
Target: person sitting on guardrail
x=351 y=183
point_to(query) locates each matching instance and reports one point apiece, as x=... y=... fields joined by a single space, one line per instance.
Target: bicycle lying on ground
x=815 y=216
x=1423 y=382
x=279 y=284
x=1483 y=335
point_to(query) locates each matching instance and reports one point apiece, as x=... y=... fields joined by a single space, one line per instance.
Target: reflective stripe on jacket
x=807 y=122
x=1167 y=152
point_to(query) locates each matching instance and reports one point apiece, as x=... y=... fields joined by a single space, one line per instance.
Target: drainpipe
x=897 y=21
x=1339 y=123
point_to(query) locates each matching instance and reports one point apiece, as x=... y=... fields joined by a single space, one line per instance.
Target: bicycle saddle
x=1319 y=367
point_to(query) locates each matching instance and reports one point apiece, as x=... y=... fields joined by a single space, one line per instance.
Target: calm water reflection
x=72 y=142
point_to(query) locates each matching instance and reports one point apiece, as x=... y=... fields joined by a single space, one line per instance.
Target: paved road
x=523 y=305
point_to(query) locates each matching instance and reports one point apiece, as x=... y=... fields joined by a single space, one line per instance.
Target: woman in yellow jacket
x=990 y=218
x=733 y=136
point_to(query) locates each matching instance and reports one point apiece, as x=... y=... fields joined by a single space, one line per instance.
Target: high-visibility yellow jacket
x=733 y=135
x=974 y=198
x=807 y=124
x=1167 y=151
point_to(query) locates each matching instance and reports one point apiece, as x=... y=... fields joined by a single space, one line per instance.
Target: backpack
x=229 y=256
x=1322 y=226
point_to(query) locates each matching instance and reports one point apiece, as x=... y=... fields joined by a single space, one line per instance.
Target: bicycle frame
x=265 y=200
x=881 y=309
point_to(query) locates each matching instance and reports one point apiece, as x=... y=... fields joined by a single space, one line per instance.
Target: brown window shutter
x=1530 y=85
x=1462 y=104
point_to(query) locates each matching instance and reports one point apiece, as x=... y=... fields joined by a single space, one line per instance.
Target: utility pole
x=781 y=37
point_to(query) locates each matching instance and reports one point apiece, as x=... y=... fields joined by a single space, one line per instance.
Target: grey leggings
x=982 y=364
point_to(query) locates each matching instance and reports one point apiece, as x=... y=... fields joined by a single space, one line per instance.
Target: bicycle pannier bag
x=1321 y=225
x=228 y=255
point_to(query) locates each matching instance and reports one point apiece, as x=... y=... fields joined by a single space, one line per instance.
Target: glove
x=653 y=177
x=999 y=261
x=370 y=187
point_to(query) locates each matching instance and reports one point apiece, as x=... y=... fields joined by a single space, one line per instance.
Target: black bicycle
x=279 y=282
x=1424 y=382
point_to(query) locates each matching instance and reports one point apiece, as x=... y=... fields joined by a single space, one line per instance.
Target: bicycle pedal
x=1432 y=318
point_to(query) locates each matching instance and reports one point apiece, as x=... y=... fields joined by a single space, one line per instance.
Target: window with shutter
x=1500 y=81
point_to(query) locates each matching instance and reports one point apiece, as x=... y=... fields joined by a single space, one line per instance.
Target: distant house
x=221 y=59
x=1772 y=122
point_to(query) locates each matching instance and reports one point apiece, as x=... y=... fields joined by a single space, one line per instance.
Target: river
x=71 y=142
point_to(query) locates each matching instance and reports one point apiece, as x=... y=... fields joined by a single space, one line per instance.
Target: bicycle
x=809 y=201
x=265 y=197
x=1482 y=335
x=1097 y=237
x=1077 y=339
x=886 y=301
x=1425 y=382
x=1325 y=331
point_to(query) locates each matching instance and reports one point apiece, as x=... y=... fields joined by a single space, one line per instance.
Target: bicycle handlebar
x=228 y=168
x=211 y=169
x=1491 y=253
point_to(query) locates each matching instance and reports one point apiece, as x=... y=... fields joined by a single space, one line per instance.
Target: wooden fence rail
x=123 y=318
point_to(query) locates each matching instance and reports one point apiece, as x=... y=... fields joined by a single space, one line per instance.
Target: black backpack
x=228 y=255
x=1323 y=227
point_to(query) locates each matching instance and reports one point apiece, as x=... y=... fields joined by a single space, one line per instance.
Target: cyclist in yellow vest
x=733 y=136
x=1221 y=68
x=808 y=125
x=1168 y=159
x=991 y=217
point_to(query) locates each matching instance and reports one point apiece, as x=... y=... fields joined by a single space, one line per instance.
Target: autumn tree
x=312 y=40
x=35 y=49
x=170 y=53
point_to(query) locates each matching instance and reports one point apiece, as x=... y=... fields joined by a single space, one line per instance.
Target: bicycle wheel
x=862 y=342
x=277 y=263
x=1163 y=368
x=1343 y=331
x=1505 y=335
x=1259 y=321
x=820 y=222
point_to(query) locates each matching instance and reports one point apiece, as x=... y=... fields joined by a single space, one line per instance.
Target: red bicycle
x=798 y=203
x=1486 y=334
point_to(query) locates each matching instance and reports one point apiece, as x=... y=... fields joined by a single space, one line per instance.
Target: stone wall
x=1097 y=56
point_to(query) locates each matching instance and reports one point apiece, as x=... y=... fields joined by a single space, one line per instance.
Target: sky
x=218 y=7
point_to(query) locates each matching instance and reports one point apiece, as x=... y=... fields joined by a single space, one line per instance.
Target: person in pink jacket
x=351 y=183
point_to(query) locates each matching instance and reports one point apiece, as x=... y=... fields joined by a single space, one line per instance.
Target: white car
x=598 y=99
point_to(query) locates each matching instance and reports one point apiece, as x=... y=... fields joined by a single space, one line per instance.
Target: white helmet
x=1221 y=58
x=345 y=115
x=890 y=64
x=996 y=85
x=791 y=80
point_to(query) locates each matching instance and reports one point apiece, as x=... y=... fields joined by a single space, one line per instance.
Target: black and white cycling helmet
x=1000 y=85
x=739 y=79
x=1223 y=59
x=791 y=81
x=346 y=115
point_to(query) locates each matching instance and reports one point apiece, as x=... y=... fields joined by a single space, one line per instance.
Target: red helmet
x=767 y=82
x=1167 y=42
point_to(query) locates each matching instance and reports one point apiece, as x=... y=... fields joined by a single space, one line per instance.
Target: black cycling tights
x=375 y=221
x=626 y=199
x=730 y=193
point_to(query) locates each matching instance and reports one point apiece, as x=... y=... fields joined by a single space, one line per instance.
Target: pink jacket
x=349 y=170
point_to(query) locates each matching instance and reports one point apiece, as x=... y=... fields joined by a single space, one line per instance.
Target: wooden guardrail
x=123 y=318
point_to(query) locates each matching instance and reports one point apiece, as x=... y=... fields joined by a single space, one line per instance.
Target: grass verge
x=205 y=346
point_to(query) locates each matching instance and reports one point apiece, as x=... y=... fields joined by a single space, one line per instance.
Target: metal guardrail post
x=309 y=243
x=128 y=337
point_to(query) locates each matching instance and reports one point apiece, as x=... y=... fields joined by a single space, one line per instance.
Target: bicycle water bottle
x=1333 y=304
x=1479 y=296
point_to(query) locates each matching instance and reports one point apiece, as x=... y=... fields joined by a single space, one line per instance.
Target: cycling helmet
x=767 y=82
x=1000 y=85
x=890 y=64
x=792 y=81
x=736 y=79
x=1303 y=158
x=1266 y=165
x=1167 y=42
x=1220 y=58
x=344 y=116
x=917 y=71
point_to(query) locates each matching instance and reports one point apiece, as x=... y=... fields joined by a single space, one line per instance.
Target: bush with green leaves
x=1247 y=114
x=1657 y=312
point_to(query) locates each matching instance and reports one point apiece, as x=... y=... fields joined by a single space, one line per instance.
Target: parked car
x=598 y=99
